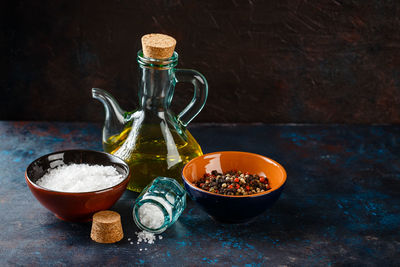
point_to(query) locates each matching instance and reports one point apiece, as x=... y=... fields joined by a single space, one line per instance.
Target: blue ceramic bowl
x=234 y=209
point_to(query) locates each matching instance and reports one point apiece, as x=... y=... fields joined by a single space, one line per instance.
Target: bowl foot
x=233 y=221
x=83 y=219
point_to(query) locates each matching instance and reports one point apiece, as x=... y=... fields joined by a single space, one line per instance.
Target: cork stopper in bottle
x=106 y=227
x=158 y=46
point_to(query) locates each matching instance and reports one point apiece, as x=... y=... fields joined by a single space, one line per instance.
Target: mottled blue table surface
x=341 y=205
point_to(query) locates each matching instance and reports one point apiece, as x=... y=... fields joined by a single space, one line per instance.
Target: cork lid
x=158 y=46
x=106 y=227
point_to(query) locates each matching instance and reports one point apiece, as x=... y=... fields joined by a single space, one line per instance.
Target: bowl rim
x=229 y=196
x=123 y=163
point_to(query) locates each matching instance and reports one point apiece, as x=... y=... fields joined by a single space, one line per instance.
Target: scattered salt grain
x=145 y=237
x=80 y=178
x=129 y=239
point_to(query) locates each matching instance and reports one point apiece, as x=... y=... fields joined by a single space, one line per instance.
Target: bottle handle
x=200 y=93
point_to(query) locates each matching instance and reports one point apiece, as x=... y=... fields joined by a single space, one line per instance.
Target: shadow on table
x=286 y=220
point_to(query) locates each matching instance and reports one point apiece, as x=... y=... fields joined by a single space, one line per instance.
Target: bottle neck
x=156 y=81
x=156 y=87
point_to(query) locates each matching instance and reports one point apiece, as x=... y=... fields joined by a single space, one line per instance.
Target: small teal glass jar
x=159 y=205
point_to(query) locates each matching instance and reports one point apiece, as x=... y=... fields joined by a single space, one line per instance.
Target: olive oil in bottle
x=153 y=154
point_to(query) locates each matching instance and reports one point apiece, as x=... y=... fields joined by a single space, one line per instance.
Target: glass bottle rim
x=160 y=63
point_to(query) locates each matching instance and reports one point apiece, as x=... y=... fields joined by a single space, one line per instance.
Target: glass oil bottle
x=152 y=139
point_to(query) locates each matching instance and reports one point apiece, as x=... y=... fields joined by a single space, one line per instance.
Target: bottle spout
x=114 y=120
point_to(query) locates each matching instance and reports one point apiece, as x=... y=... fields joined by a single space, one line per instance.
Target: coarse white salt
x=151 y=216
x=145 y=237
x=76 y=178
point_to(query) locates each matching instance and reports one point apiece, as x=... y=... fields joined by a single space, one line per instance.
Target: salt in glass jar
x=159 y=205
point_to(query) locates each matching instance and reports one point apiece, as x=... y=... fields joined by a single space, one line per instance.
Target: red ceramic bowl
x=234 y=209
x=76 y=207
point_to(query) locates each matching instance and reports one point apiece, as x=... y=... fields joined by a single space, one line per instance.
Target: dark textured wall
x=266 y=61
